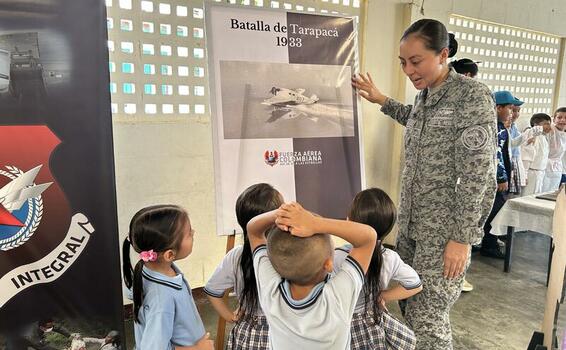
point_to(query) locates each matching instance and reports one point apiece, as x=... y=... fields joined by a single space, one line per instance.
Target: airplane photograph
x=301 y=101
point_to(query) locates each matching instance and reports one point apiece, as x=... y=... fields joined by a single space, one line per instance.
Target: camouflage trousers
x=428 y=312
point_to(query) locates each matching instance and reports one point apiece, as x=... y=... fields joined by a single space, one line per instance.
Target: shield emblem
x=34 y=213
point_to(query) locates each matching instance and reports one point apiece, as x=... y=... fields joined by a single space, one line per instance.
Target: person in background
x=557 y=149
x=470 y=69
x=535 y=152
x=504 y=105
x=518 y=172
x=466 y=67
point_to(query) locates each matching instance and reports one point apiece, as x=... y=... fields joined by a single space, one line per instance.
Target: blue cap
x=506 y=98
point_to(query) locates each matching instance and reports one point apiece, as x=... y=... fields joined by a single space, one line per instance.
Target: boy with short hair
x=504 y=101
x=305 y=307
x=535 y=152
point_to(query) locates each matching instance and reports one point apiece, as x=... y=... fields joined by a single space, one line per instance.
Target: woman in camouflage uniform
x=448 y=182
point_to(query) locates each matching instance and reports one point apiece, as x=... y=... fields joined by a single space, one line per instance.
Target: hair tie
x=148 y=256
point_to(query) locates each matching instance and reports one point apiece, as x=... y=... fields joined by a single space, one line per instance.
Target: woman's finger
x=370 y=79
x=363 y=93
x=446 y=268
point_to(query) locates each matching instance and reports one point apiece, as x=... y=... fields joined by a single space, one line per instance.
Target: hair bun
x=452 y=45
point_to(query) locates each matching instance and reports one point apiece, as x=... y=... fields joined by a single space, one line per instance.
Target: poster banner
x=283 y=108
x=60 y=284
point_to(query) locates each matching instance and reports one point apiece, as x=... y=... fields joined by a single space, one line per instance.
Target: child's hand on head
x=298 y=221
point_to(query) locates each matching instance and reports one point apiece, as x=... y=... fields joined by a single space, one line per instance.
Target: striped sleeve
x=267 y=278
x=399 y=271
x=224 y=277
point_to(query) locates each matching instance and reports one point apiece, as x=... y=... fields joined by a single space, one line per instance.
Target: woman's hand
x=367 y=89
x=455 y=258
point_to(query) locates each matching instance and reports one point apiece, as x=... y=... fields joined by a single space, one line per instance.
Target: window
x=149 y=69
x=127 y=68
x=198 y=72
x=199 y=90
x=167 y=90
x=165 y=29
x=198 y=53
x=147 y=6
x=165 y=50
x=148 y=49
x=183 y=90
x=147 y=27
x=128 y=88
x=182 y=31
x=183 y=71
x=166 y=70
x=126 y=25
x=126 y=4
x=182 y=11
x=198 y=33
x=182 y=51
x=149 y=89
x=127 y=47
x=164 y=9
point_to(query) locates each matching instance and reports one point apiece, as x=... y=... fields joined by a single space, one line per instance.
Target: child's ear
x=329 y=264
x=169 y=255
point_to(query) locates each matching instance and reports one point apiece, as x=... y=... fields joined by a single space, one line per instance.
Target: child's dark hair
x=538 y=118
x=373 y=207
x=434 y=35
x=465 y=66
x=158 y=228
x=559 y=110
x=255 y=200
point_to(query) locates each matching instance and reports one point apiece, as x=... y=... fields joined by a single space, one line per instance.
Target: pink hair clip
x=148 y=256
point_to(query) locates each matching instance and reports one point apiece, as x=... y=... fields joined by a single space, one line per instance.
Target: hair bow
x=148 y=256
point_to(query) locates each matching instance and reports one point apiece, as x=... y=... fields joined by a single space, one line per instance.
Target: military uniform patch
x=475 y=137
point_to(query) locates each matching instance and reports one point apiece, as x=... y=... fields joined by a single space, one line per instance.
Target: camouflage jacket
x=449 y=178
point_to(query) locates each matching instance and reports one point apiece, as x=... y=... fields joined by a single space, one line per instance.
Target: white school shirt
x=392 y=269
x=557 y=147
x=540 y=156
x=228 y=274
x=320 y=321
x=528 y=150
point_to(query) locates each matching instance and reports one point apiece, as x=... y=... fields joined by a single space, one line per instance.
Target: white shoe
x=467 y=286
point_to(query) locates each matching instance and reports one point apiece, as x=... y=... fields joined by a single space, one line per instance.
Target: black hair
x=434 y=35
x=255 y=200
x=465 y=66
x=538 y=118
x=158 y=228
x=375 y=208
x=559 y=110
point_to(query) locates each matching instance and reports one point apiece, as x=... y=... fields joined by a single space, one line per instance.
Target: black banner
x=60 y=284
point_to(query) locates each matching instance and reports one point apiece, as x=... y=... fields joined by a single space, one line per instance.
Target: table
x=523 y=213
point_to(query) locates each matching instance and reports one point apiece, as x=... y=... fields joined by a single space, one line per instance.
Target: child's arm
x=257 y=227
x=302 y=223
x=222 y=308
x=399 y=293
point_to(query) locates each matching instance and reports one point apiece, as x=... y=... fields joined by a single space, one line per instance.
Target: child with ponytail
x=165 y=313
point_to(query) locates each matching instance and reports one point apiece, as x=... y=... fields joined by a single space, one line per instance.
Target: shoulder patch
x=475 y=137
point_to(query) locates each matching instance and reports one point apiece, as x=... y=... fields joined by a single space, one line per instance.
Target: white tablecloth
x=525 y=213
